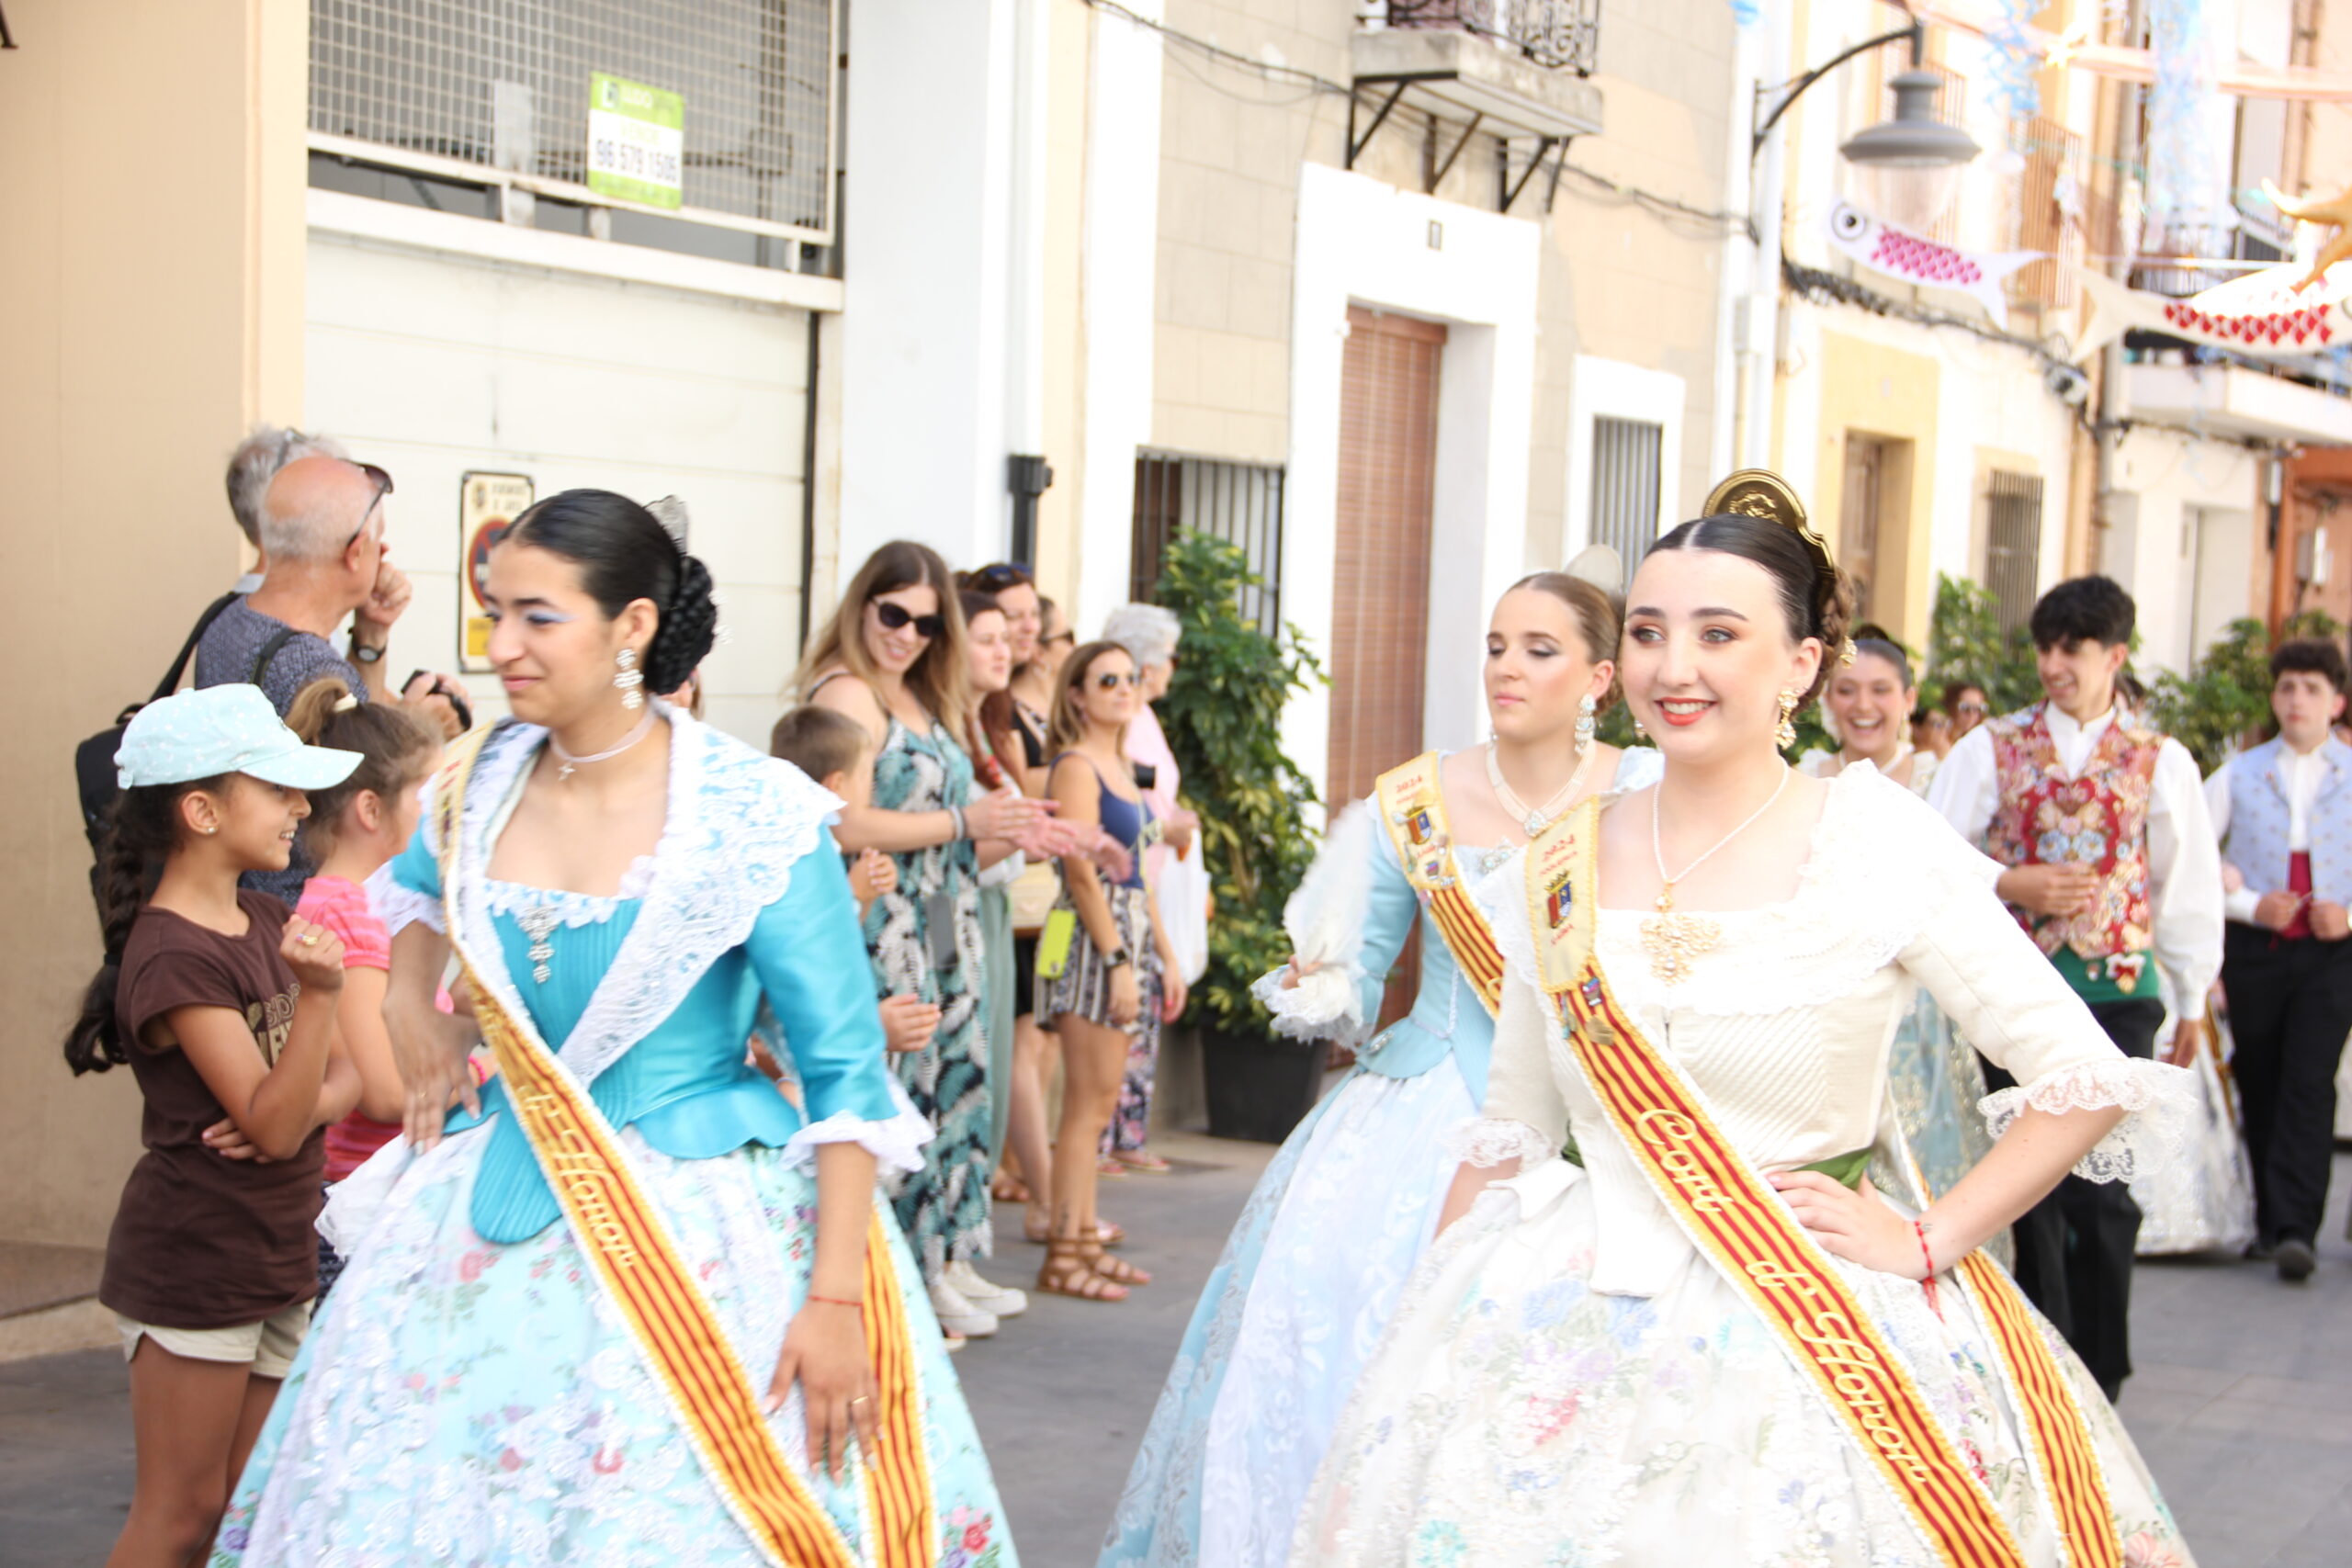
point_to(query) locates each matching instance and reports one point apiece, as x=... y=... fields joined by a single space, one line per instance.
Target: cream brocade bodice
x=1786 y=1026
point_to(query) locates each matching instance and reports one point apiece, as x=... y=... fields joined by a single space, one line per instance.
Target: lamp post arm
x=1915 y=34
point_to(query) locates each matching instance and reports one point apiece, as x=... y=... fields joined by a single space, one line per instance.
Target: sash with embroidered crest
x=1736 y=1220
x=1412 y=809
x=625 y=1241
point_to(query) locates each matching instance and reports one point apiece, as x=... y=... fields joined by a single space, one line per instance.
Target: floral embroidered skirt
x=467 y=1403
x=1516 y=1416
x=1295 y=1309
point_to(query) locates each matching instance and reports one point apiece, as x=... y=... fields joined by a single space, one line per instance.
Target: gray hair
x=256 y=462
x=1147 y=632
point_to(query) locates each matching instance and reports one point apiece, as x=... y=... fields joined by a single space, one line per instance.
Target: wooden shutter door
x=1388 y=386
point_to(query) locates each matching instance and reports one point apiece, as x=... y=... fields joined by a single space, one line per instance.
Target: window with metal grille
x=1625 y=479
x=2013 y=543
x=1239 y=502
x=456 y=87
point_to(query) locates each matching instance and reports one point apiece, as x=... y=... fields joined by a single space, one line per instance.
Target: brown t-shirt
x=200 y=1241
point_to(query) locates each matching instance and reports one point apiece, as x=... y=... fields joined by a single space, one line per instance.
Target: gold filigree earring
x=1786 y=736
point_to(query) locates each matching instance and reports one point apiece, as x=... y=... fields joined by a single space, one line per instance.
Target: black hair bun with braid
x=689 y=627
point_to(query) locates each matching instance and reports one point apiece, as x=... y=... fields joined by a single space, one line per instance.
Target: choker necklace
x=1673 y=940
x=1533 y=819
x=572 y=763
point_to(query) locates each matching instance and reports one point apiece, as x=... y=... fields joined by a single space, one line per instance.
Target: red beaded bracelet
x=1928 y=1280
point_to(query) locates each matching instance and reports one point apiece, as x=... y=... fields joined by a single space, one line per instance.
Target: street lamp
x=1909 y=165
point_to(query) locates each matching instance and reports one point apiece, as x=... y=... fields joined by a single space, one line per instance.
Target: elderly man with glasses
x=321 y=538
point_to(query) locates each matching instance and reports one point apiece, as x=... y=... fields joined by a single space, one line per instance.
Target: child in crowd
x=830 y=748
x=355 y=827
x=224 y=1007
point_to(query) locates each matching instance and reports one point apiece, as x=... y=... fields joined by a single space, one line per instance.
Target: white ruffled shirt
x=1785 y=1027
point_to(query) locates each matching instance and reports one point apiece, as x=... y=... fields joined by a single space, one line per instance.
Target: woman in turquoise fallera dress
x=1315 y=1262
x=472 y=1395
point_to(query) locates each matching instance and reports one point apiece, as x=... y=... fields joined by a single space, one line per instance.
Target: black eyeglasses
x=894 y=615
x=1112 y=680
x=383 y=487
x=1063 y=636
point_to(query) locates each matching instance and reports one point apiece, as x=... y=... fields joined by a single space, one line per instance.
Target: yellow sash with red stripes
x=1412 y=808
x=1736 y=1220
x=623 y=1236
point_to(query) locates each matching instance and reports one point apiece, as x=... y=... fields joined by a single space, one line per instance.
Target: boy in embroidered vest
x=2112 y=865
x=2284 y=813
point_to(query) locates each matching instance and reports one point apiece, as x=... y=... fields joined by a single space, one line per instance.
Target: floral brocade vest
x=2099 y=820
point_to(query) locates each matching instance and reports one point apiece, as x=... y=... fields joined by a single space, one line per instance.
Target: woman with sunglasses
x=1105 y=954
x=893 y=657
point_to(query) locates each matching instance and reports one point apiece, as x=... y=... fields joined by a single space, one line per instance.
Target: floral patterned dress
x=472 y=1397
x=924 y=939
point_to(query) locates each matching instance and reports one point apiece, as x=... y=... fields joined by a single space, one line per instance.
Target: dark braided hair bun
x=624 y=554
x=689 y=627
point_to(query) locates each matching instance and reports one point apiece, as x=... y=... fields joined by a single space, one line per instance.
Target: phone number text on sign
x=636 y=141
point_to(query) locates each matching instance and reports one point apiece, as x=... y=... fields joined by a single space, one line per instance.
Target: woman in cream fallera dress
x=1569 y=1379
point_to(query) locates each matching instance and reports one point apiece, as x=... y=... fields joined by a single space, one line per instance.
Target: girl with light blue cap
x=223 y=1008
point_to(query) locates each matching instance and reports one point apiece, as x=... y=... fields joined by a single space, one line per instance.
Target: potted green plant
x=1223 y=719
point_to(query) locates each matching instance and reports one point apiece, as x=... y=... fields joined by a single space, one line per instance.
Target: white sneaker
x=1002 y=1300
x=958 y=1315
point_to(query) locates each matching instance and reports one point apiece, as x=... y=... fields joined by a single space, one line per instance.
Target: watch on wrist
x=1117 y=958
x=364 y=653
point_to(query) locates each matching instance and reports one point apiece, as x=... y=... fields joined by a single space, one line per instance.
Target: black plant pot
x=1260 y=1086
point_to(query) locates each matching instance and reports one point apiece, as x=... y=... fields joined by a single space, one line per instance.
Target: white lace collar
x=737 y=822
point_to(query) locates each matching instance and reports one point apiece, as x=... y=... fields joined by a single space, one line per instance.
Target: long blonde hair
x=1067 y=726
x=940 y=675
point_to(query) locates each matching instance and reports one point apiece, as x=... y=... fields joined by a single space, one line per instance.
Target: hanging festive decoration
x=1929 y=264
x=2188 y=169
x=2266 y=313
x=2014 y=59
x=2336 y=213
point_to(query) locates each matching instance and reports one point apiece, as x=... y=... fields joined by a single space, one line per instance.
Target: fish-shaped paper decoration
x=1917 y=259
x=2263 y=312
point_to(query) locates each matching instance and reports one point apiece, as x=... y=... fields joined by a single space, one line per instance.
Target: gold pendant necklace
x=1672 y=941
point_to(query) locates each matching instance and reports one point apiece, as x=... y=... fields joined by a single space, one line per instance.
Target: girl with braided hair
x=623 y=1303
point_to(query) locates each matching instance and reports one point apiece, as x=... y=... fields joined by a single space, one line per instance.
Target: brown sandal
x=1118 y=1270
x=1037 y=1231
x=1008 y=1189
x=1066 y=1272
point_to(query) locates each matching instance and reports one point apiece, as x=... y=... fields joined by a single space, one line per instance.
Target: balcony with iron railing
x=1512 y=70
x=1558 y=35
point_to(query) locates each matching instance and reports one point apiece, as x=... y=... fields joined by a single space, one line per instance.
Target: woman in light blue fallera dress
x=1314 y=1264
x=471 y=1396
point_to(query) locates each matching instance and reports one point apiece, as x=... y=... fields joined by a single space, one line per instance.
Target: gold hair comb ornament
x=1761 y=493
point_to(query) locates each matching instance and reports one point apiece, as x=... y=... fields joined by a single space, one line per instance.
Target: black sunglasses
x=1004 y=575
x=441 y=688
x=895 y=616
x=1112 y=680
x=383 y=487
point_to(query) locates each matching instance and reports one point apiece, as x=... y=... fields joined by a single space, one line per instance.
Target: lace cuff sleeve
x=1325 y=919
x=2161 y=1100
x=397 y=904
x=1326 y=1005
x=896 y=1143
x=1489 y=1141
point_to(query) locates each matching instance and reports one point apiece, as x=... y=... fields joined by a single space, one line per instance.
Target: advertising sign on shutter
x=637 y=142
x=487 y=506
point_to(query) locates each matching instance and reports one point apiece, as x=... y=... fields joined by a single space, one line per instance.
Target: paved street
x=2243 y=1402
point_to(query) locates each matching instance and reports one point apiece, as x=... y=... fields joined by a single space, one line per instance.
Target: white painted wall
x=929 y=224
x=1365 y=242
x=2168 y=473
x=1121 y=241
x=432 y=361
x=1615 y=389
